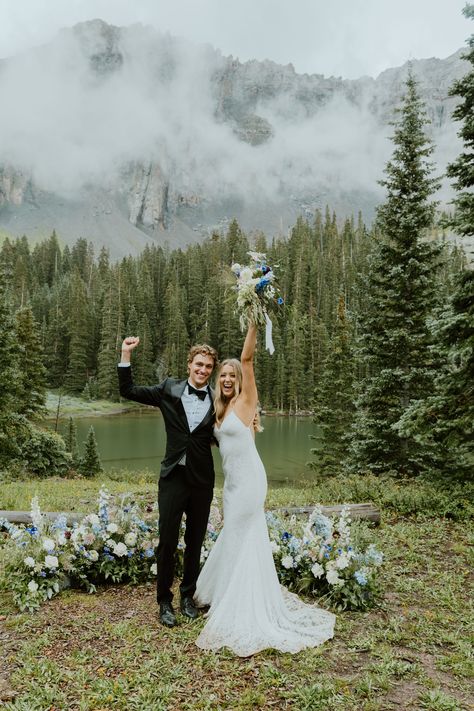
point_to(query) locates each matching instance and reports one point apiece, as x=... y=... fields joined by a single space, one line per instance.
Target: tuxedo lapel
x=176 y=392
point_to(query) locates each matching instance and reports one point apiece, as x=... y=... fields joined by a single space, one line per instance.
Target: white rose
x=61 y=539
x=342 y=562
x=333 y=578
x=51 y=561
x=120 y=550
x=112 y=528
x=153 y=569
x=32 y=586
x=93 y=556
x=287 y=562
x=131 y=539
x=30 y=562
x=317 y=570
x=110 y=542
x=48 y=544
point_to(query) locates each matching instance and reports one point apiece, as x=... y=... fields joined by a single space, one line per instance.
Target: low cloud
x=76 y=111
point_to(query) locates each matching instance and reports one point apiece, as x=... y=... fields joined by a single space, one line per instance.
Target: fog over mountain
x=126 y=136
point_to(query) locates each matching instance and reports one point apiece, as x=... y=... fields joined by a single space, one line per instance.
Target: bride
x=249 y=609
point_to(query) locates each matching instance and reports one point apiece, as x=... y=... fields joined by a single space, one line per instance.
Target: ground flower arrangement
x=118 y=544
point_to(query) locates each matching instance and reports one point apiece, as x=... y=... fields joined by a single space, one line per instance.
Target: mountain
x=127 y=135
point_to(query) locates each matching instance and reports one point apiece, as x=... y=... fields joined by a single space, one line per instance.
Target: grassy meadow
x=108 y=651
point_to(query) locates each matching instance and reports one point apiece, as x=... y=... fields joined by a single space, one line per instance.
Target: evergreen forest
x=374 y=336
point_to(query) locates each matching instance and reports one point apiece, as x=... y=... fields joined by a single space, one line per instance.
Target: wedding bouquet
x=256 y=291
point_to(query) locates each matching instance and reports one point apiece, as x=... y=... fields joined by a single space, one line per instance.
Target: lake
x=137 y=442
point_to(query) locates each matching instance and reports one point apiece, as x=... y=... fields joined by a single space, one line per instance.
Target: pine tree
x=71 y=442
x=110 y=340
x=79 y=328
x=394 y=339
x=334 y=406
x=445 y=420
x=10 y=366
x=32 y=392
x=89 y=464
x=462 y=169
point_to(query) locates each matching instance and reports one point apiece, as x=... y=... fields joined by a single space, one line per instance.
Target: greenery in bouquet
x=256 y=290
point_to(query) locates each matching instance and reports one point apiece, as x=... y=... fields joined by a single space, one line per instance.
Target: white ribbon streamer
x=268 y=335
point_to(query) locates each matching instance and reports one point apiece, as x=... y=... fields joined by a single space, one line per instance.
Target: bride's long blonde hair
x=220 y=402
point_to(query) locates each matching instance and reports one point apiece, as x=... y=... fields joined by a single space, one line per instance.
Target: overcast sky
x=347 y=38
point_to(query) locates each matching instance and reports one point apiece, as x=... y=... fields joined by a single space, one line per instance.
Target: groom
x=187 y=471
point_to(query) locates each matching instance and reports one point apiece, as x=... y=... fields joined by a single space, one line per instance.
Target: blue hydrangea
x=360 y=577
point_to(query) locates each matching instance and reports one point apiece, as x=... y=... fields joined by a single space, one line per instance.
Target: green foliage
x=334 y=402
x=26 y=448
x=393 y=334
x=32 y=390
x=71 y=441
x=89 y=464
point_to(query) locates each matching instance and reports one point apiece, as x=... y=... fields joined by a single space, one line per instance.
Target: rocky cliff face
x=140 y=135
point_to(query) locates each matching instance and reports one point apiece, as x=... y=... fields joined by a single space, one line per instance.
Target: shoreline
x=76 y=407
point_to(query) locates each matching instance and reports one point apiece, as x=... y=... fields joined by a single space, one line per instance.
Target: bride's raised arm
x=248 y=398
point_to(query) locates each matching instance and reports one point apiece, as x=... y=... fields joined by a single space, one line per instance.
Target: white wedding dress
x=249 y=609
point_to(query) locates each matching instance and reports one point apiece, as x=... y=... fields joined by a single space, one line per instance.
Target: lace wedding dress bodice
x=249 y=609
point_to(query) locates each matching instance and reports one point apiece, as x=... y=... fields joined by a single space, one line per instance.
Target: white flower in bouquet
x=61 y=538
x=37 y=519
x=110 y=542
x=131 y=539
x=153 y=569
x=255 y=292
x=33 y=586
x=93 y=556
x=287 y=562
x=112 y=528
x=48 y=544
x=333 y=578
x=30 y=562
x=51 y=561
x=274 y=546
x=93 y=519
x=343 y=561
x=120 y=549
x=317 y=570
x=89 y=538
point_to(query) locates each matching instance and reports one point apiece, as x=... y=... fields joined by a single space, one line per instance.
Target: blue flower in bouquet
x=360 y=577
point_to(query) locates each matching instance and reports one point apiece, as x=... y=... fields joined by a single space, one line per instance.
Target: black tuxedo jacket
x=179 y=439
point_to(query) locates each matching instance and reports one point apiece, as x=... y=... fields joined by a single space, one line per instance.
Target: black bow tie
x=200 y=393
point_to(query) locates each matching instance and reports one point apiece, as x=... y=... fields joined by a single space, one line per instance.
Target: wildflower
x=317 y=570
x=93 y=556
x=287 y=562
x=360 y=576
x=30 y=562
x=333 y=578
x=33 y=586
x=112 y=528
x=51 y=561
x=131 y=539
x=153 y=569
x=120 y=549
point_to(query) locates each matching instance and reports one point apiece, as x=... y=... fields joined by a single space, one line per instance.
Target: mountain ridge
x=138 y=137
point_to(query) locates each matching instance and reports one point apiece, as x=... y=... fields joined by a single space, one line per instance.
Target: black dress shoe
x=167 y=616
x=188 y=608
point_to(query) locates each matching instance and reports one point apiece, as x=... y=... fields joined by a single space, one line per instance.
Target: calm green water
x=137 y=442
